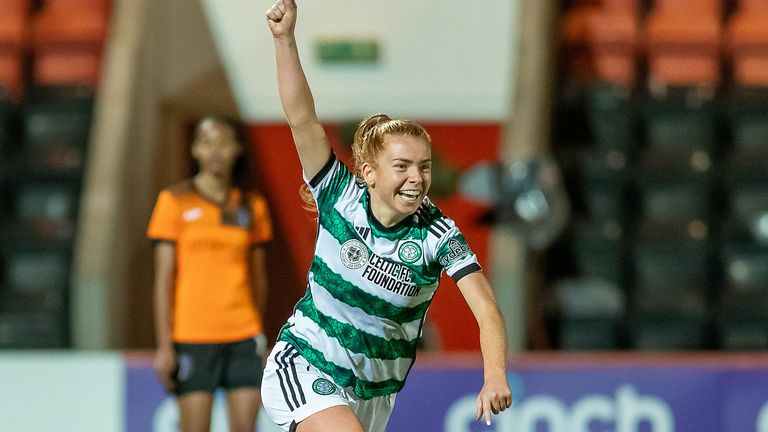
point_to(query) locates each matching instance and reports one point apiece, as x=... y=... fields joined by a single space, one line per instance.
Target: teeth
x=412 y=194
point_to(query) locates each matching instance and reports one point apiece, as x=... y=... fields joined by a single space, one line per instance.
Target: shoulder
x=256 y=198
x=179 y=189
x=258 y=204
x=431 y=218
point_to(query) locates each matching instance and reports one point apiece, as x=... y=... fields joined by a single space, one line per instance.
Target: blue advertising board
x=552 y=397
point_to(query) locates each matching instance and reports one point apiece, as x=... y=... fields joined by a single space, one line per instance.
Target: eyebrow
x=410 y=161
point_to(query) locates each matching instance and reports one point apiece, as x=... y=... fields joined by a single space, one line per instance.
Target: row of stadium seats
x=50 y=56
x=668 y=245
x=43 y=158
x=680 y=41
x=60 y=42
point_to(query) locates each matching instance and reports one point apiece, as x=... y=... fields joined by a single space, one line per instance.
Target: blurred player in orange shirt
x=210 y=283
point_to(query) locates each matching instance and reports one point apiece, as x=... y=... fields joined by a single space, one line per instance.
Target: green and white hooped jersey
x=370 y=286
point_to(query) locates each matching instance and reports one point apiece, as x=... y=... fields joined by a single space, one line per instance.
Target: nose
x=414 y=175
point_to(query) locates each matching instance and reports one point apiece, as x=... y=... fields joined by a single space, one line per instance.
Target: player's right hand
x=281 y=18
x=165 y=367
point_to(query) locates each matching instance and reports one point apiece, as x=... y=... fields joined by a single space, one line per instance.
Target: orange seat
x=67 y=46
x=11 y=76
x=600 y=44
x=13 y=6
x=624 y=6
x=683 y=49
x=752 y=5
x=747 y=46
x=80 y=5
x=13 y=26
x=688 y=7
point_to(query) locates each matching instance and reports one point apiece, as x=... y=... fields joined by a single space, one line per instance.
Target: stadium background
x=651 y=112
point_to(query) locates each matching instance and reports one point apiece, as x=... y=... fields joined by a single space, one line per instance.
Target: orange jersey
x=213 y=301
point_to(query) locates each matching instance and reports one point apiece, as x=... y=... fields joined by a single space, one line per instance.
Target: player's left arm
x=495 y=396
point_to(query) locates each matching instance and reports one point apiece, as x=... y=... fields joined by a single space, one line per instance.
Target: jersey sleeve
x=453 y=252
x=165 y=223
x=330 y=182
x=261 y=231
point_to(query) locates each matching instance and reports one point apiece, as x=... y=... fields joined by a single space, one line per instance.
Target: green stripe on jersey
x=345 y=292
x=329 y=195
x=358 y=341
x=342 y=376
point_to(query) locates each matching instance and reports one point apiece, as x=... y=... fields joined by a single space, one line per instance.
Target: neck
x=212 y=186
x=386 y=216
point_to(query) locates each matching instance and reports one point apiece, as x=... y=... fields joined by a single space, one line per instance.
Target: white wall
x=61 y=391
x=441 y=59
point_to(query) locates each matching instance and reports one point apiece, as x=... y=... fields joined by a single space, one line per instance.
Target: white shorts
x=292 y=390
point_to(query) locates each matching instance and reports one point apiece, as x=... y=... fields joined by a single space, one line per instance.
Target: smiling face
x=216 y=148
x=399 y=178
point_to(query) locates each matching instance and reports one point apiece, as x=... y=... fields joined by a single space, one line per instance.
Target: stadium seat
x=598 y=250
x=628 y=6
x=13 y=24
x=32 y=330
x=6 y=126
x=668 y=302
x=613 y=117
x=46 y=209
x=670 y=279
x=673 y=210
x=605 y=201
x=601 y=44
x=35 y=280
x=602 y=185
x=747 y=116
x=747 y=45
x=589 y=334
x=743 y=333
x=689 y=7
x=101 y=6
x=747 y=121
x=746 y=280
x=67 y=46
x=56 y=128
x=683 y=43
x=680 y=131
x=591 y=306
x=747 y=220
x=668 y=333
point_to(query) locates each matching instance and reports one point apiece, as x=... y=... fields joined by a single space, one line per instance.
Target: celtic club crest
x=409 y=252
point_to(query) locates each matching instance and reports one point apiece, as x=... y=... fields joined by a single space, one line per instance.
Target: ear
x=369 y=174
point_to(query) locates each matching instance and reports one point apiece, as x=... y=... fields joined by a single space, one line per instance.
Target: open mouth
x=410 y=196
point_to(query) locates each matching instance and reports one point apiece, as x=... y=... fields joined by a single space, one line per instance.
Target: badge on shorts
x=323 y=387
x=185 y=366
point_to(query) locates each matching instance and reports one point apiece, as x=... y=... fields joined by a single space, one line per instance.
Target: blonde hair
x=369 y=142
x=371 y=133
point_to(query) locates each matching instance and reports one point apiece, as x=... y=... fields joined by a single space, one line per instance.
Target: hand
x=281 y=18
x=165 y=367
x=494 y=397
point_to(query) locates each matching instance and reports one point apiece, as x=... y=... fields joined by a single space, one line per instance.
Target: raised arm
x=495 y=395
x=295 y=94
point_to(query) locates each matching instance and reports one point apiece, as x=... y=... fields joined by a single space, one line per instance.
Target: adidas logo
x=363 y=231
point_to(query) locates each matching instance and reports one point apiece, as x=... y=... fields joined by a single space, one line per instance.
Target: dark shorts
x=206 y=367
